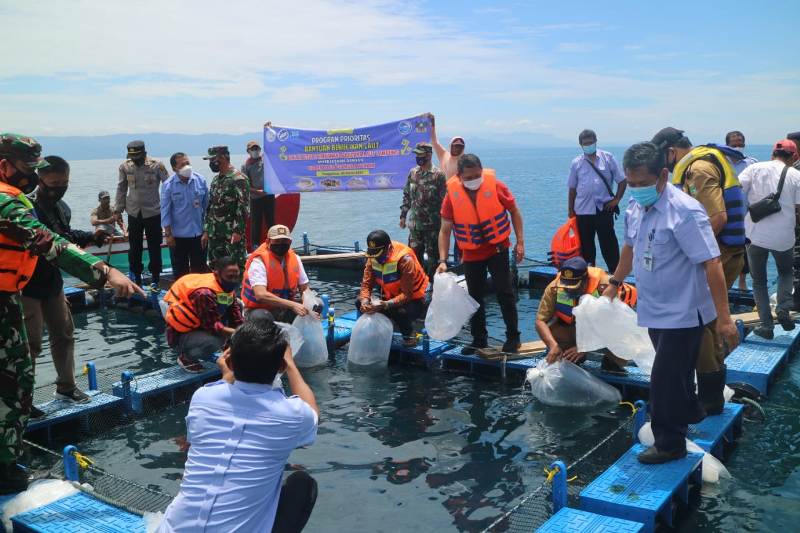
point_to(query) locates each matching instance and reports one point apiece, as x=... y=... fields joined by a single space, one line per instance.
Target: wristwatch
x=615 y=282
x=442 y=261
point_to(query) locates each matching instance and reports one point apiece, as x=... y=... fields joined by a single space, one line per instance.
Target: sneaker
x=13 y=478
x=36 y=413
x=786 y=321
x=474 y=346
x=75 y=396
x=765 y=332
x=154 y=287
x=653 y=456
x=190 y=365
x=511 y=345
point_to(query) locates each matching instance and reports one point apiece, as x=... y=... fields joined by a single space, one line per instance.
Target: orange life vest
x=480 y=222
x=565 y=301
x=16 y=263
x=283 y=278
x=181 y=315
x=387 y=275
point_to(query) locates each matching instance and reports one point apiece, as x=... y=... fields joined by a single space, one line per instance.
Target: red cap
x=785 y=145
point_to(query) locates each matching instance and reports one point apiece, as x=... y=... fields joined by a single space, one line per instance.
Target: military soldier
x=426 y=187
x=24 y=241
x=137 y=193
x=228 y=207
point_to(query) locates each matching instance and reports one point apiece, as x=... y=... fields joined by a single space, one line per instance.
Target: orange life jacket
x=565 y=301
x=16 y=263
x=181 y=315
x=480 y=222
x=283 y=279
x=387 y=275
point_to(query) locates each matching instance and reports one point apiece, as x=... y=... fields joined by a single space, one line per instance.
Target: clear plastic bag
x=314 y=351
x=603 y=323
x=451 y=307
x=713 y=469
x=563 y=384
x=294 y=336
x=371 y=340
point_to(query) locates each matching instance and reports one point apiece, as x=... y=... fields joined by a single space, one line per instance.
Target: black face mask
x=422 y=161
x=671 y=166
x=214 y=166
x=228 y=286
x=280 y=249
x=138 y=161
x=51 y=194
x=22 y=181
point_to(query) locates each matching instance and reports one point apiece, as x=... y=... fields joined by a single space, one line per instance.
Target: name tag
x=647 y=261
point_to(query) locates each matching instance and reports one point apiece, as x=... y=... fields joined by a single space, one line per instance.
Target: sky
x=622 y=68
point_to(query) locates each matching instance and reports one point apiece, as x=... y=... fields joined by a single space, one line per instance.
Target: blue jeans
x=757 y=258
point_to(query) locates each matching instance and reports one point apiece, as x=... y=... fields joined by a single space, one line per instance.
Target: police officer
x=671 y=248
x=137 y=193
x=426 y=187
x=228 y=208
x=23 y=241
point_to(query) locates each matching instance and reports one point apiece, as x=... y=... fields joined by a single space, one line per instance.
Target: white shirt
x=775 y=232
x=258 y=273
x=241 y=436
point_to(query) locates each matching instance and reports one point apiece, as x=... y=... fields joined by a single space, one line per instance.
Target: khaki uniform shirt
x=137 y=188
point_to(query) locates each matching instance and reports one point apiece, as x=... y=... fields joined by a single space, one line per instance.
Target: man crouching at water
x=241 y=431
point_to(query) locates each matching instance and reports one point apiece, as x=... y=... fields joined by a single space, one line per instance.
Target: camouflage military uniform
x=422 y=201
x=228 y=206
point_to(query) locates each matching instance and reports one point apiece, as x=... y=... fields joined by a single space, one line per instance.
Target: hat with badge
x=216 y=151
x=423 y=148
x=572 y=273
x=21 y=148
x=279 y=232
x=377 y=242
x=135 y=148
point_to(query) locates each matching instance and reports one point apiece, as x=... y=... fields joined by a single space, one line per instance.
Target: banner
x=369 y=158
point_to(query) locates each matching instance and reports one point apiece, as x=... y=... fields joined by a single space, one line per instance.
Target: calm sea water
x=411 y=448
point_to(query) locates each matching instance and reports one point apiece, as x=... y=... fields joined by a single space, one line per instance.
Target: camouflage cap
x=423 y=148
x=215 y=151
x=135 y=148
x=22 y=148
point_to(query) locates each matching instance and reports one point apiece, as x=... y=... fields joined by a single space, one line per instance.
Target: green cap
x=22 y=148
x=215 y=151
x=423 y=148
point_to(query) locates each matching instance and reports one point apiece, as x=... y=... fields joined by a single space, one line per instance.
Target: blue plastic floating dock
x=426 y=349
x=715 y=432
x=576 y=521
x=76 y=297
x=58 y=411
x=783 y=339
x=161 y=381
x=755 y=363
x=77 y=513
x=635 y=491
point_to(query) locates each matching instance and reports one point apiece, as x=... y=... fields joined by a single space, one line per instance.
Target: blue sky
x=623 y=68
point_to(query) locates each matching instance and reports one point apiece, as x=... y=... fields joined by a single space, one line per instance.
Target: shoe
x=13 y=478
x=190 y=365
x=154 y=287
x=75 y=396
x=765 y=332
x=511 y=345
x=653 y=456
x=709 y=391
x=609 y=366
x=472 y=348
x=786 y=321
x=36 y=413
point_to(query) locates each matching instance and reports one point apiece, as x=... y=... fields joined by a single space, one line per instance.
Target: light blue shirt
x=742 y=164
x=592 y=194
x=676 y=232
x=241 y=436
x=183 y=205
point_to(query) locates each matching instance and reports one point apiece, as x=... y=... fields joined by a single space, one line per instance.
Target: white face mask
x=255 y=154
x=185 y=172
x=473 y=185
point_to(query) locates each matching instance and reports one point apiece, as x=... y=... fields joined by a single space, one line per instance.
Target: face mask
x=473 y=185
x=280 y=249
x=671 y=165
x=185 y=172
x=214 y=166
x=421 y=161
x=381 y=259
x=22 y=181
x=255 y=154
x=590 y=149
x=228 y=286
x=645 y=196
x=138 y=161
x=51 y=194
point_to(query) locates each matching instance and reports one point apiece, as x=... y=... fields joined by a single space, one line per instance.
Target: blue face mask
x=590 y=149
x=645 y=196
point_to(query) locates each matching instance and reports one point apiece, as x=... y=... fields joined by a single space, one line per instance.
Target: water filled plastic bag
x=371 y=340
x=314 y=350
x=294 y=335
x=713 y=469
x=566 y=242
x=451 y=307
x=563 y=384
x=603 y=323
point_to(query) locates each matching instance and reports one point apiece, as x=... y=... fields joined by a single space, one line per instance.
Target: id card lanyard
x=647 y=258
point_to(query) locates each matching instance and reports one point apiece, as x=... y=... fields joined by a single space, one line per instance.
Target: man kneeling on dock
x=555 y=322
x=203 y=312
x=393 y=267
x=241 y=432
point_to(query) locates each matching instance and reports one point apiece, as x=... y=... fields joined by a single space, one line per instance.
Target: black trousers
x=137 y=227
x=187 y=256
x=673 y=401
x=404 y=315
x=262 y=210
x=601 y=224
x=297 y=499
x=475 y=273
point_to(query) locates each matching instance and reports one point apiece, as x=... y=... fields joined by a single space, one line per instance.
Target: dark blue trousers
x=673 y=401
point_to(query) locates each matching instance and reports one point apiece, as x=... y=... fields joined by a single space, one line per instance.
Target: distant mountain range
x=165 y=144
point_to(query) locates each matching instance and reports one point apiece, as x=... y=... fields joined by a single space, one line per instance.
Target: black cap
x=215 y=151
x=667 y=137
x=794 y=136
x=135 y=148
x=377 y=241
